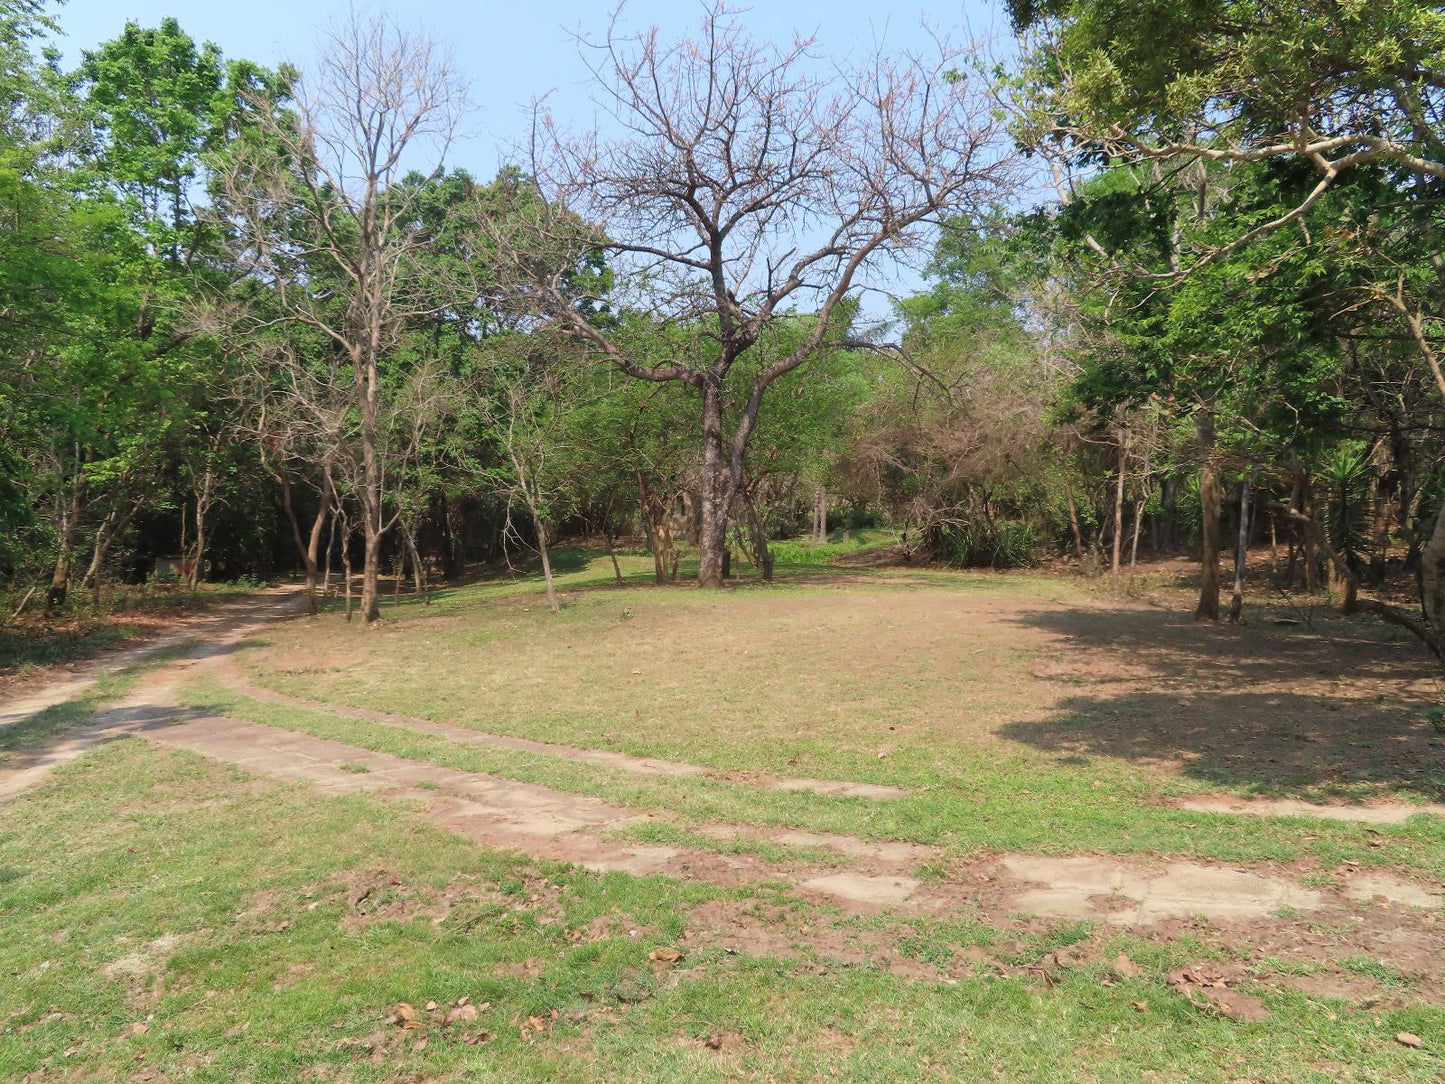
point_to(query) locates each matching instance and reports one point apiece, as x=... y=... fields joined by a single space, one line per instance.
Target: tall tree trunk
x=370 y=607
x=1209 y=511
x=612 y=553
x=203 y=505
x=1236 y=600
x=1134 y=543
x=1432 y=576
x=346 y=559
x=371 y=494
x=326 y=573
x=418 y=570
x=1310 y=543
x=308 y=548
x=657 y=528
x=693 y=507
x=758 y=535
x=541 y=529
x=718 y=488
x=454 y=567
x=1074 y=520
x=820 y=515
x=69 y=525
x=1122 y=438
x=109 y=530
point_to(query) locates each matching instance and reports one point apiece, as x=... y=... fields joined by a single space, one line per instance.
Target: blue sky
x=515 y=51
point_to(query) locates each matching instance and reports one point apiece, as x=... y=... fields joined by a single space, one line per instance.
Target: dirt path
x=218 y=634
x=209 y=626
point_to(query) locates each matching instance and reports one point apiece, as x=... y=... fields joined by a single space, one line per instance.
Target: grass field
x=173 y=917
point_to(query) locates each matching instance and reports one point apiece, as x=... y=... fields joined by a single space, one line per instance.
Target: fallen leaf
x=665 y=955
x=461 y=1012
x=1410 y=1039
x=140 y=1027
x=419 y=1045
x=1141 y=1006
x=431 y=1006
x=1125 y=967
x=405 y=1015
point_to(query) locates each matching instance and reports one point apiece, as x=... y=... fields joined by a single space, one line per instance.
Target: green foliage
x=1346 y=477
x=1003 y=544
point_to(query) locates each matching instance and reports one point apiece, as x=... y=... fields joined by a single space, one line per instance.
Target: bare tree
x=319 y=212
x=746 y=183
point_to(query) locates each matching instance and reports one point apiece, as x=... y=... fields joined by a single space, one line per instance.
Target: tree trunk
x=758 y=535
x=541 y=530
x=418 y=570
x=370 y=569
x=1236 y=600
x=308 y=548
x=612 y=553
x=1134 y=543
x=105 y=535
x=203 y=505
x=820 y=515
x=330 y=549
x=1074 y=520
x=1209 y=511
x=1432 y=576
x=371 y=484
x=69 y=525
x=1122 y=437
x=1309 y=543
x=657 y=528
x=346 y=561
x=454 y=568
x=718 y=487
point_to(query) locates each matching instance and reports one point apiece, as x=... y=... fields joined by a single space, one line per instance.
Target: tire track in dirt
x=234 y=679
x=550 y=824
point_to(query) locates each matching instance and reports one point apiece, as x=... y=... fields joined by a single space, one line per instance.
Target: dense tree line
x=260 y=320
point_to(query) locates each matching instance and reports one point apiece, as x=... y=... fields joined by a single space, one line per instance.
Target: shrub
x=1008 y=544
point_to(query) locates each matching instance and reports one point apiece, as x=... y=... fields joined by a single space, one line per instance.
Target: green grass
x=1003 y=805
x=670 y=834
x=216 y=911
x=145 y=887
x=1375 y=969
x=25 y=649
x=797 y=553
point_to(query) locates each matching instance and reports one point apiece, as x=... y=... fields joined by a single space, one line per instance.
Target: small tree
x=318 y=213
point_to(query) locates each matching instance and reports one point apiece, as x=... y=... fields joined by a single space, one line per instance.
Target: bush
x=1009 y=544
x=862 y=519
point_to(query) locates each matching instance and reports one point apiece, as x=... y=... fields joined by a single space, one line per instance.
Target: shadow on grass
x=20 y=648
x=36 y=730
x=1250 y=709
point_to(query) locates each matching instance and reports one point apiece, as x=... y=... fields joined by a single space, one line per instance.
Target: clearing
x=862 y=824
